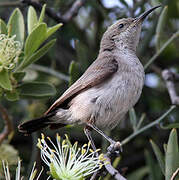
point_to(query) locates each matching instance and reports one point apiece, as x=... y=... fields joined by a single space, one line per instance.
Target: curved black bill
x=143 y=16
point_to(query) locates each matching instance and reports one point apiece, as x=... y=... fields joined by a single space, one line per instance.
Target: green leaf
x=170 y=126
x=124 y=3
x=172 y=155
x=37 y=55
x=160 y=28
x=155 y=2
x=133 y=118
x=36 y=90
x=53 y=29
x=141 y=120
x=35 y=39
x=159 y=156
x=173 y=11
x=138 y=174
x=32 y=20
x=73 y=72
x=19 y=76
x=165 y=147
x=153 y=170
x=12 y=95
x=1 y=91
x=4 y=80
x=16 y=25
x=42 y=14
x=3 y=28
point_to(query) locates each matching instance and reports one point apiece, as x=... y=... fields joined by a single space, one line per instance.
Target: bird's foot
x=115 y=148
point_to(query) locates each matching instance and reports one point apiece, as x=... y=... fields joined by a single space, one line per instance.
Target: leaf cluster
x=33 y=47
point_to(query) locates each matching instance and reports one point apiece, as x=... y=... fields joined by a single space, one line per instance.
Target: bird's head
x=124 y=33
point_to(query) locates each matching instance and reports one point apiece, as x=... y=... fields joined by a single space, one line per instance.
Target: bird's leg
x=87 y=132
x=102 y=133
x=115 y=147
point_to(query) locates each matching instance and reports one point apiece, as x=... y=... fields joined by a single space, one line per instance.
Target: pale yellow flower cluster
x=70 y=162
x=9 y=52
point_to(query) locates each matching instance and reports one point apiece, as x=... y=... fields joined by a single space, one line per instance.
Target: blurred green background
x=76 y=48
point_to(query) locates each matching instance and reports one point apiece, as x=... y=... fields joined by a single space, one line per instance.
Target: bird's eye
x=121 y=26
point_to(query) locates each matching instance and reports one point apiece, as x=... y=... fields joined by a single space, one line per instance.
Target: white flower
x=18 y=177
x=9 y=51
x=67 y=161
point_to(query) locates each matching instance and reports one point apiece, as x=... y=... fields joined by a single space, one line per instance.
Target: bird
x=107 y=90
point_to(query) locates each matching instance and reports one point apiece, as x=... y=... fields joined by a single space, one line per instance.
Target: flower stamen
x=69 y=161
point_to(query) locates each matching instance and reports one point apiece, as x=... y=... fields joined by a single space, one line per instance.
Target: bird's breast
x=107 y=103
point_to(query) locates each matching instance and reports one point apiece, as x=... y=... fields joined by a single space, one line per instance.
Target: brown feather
x=102 y=68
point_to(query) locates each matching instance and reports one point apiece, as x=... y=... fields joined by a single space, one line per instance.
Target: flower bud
x=9 y=52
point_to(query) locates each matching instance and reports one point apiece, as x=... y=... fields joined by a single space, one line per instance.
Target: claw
x=115 y=148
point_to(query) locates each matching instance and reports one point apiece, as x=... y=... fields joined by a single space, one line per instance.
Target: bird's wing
x=99 y=70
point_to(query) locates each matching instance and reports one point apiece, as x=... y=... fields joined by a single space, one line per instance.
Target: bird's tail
x=31 y=126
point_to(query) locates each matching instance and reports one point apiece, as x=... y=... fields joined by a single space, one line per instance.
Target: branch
x=8 y=128
x=156 y=69
x=169 y=78
x=9 y=4
x=72 y=12
x=114 y=173
x=94 y=176
x=111 y=153
x=175 y=35
x=111 y=170
x=50 y=71
x=157 y=121
x=108 y=166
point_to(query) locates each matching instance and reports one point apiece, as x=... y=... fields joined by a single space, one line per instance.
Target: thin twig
x=156 y=69
x=70 y=13
x=73 y=11
x=176 y=77
x=109 y=168
x=94 y=176
x=49 y=11
x=169 y=78
x=175 y=35
x=10 y=3
x=8 y=128
x=114 y=173
x=50 y=71
x=157 y=121
x=175 y=174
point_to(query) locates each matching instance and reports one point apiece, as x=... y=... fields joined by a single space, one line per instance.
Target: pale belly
x=107 y=103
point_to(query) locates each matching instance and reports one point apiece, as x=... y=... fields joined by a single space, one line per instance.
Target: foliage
x=18 y=52
x=76 y=47
x=169 y=162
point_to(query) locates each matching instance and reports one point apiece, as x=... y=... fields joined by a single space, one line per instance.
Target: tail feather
x=53 y=119
x=33 y=125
